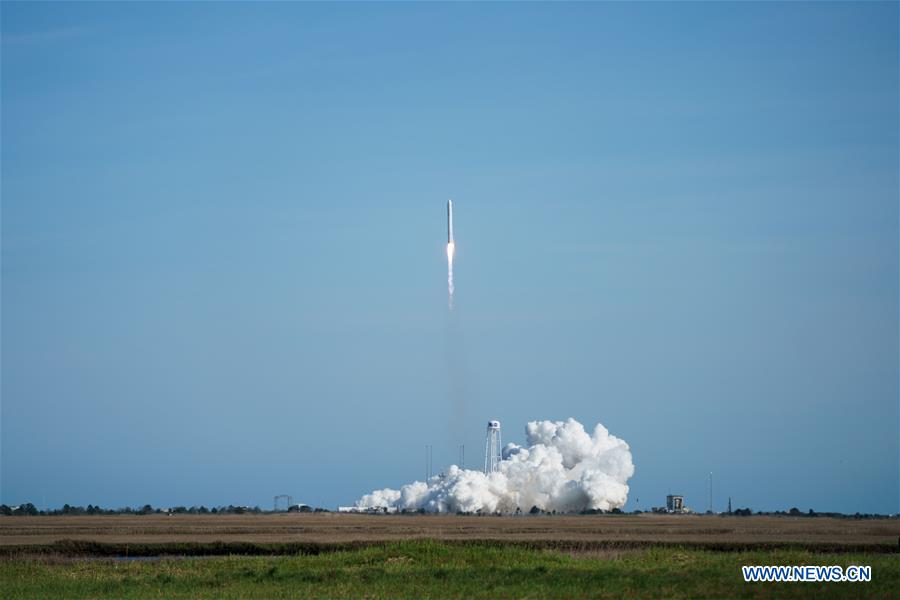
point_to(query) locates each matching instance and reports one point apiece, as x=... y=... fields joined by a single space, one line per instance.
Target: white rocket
x=449 y=221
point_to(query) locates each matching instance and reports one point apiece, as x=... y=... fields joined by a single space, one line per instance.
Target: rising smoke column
x=451 y=248
x=561 y=468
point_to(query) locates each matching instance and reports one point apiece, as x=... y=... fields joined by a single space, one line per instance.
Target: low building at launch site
x=674 y=506
x=368 y=510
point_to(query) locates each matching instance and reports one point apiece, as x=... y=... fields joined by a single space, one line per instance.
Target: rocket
x=449 y=221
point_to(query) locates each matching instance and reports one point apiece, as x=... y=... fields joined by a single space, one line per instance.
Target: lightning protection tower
x=492 y=447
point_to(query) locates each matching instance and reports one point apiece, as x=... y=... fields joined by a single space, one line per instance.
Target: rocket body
x=449 y=221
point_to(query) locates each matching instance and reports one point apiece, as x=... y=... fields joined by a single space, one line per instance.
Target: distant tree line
x=29 y=509
x=796 y=512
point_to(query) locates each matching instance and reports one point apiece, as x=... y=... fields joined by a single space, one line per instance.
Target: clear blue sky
x=223 y=270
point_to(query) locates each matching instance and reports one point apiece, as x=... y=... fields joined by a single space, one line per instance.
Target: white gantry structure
x=492 y=448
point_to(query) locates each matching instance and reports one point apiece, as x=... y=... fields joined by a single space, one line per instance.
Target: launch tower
x=492 y=448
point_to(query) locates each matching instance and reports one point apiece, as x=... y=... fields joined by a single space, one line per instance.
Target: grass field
x=332 y=527
x=431 y=569
x=334 y=556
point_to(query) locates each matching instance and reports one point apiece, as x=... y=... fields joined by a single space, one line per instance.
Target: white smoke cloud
x=561 y=468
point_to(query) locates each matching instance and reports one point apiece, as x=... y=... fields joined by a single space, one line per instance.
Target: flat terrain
x=331 y=527
x=435 y=556
x=430 y=569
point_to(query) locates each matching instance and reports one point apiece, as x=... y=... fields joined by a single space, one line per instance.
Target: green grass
x=429 y=569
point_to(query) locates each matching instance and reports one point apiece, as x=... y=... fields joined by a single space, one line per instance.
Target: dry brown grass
x=331 y=527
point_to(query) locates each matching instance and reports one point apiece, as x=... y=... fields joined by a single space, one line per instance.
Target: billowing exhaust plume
x=561 y=468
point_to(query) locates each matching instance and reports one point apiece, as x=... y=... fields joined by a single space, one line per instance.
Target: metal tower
x=492 y=447
x=288 y=502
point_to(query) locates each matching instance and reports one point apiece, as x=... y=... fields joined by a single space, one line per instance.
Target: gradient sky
x=223 y=229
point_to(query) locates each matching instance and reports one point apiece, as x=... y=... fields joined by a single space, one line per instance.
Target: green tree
x=26 y=509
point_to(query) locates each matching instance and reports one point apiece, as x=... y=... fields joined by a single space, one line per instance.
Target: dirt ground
x=332 y=527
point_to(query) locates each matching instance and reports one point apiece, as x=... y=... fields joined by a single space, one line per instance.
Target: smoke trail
x=451 y=248
x=562 y=469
